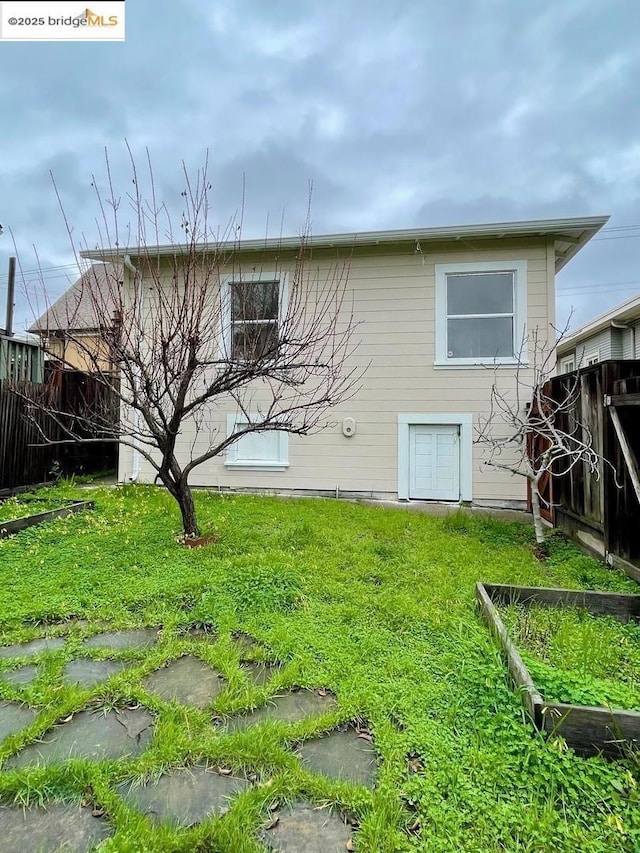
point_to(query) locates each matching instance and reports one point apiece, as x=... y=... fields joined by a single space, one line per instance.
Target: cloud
x=419 y=113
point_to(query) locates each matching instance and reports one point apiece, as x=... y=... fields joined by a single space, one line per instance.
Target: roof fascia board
x=533 y=228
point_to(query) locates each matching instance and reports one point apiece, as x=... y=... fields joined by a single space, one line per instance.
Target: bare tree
x=190 y=332
x=535 y=432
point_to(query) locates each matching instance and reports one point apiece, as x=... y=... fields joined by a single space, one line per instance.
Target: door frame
x=463 y=421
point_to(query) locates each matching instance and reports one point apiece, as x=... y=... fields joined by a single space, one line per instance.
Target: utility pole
x=10 y=296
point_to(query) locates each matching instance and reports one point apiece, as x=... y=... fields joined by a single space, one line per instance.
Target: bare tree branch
x=532 y=431
x=193 y=332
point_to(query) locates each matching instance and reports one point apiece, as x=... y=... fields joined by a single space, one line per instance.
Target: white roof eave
x=583 y=229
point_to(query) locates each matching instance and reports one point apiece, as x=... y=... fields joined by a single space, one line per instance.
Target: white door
x=434 y=462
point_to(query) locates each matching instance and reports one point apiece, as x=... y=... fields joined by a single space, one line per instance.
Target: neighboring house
x=440 y=311
x=69 y=329
x=613 y=335
x=20 y=360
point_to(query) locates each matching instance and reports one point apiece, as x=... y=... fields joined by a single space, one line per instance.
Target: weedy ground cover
x=375 y=605
x=577 y=657
x=29 y=504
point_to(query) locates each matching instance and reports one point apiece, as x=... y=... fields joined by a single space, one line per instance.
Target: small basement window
x=268 y=450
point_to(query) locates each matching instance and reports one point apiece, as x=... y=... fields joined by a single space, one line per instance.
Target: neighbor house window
x=268 y=450
x=252 y=308
x=480 y=313
x=592 y=358
x=567 y=365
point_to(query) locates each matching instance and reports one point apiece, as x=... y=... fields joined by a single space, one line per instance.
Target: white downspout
x=630 y=328
x=139 y=297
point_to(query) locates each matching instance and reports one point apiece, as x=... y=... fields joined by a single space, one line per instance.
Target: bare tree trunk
x=187 y=510
x=538 y=526
x=181 y=491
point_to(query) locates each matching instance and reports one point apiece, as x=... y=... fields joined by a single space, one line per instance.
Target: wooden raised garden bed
x=588 y=730
x=8 y=528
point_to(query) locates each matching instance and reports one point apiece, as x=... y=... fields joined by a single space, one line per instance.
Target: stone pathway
x=184 y=797
x=301 y=827
x=14 y=717
x=341 y=755
x=188 y=681
x=288 y=708
x=188 y=795
x=123 y=641
x=260 y=673
x=94 y=735
x=22 y=676
x=58 y=827
x=35 y=647
x=87 y=673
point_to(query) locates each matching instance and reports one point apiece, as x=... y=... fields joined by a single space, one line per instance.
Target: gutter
x=532 y=228
x=139 y=299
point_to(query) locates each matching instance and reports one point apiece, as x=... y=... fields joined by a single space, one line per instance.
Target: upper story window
x=480 y=313
x=254 y=319
x=592 y=358
x=568 y=364
x=252 y=309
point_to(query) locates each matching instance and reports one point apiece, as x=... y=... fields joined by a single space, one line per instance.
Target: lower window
x=268 y=450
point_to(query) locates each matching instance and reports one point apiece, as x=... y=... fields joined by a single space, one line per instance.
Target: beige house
x=70 y=332
x=440 y=311
x=612 y=335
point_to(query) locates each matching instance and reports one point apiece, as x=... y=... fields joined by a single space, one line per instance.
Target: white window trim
x=226 y=336
x=464 y=421
x=519 y=269
x=592 y=358
x=232 y=461
x=568 y=359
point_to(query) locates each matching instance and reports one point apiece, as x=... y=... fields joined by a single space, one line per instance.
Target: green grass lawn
x=576 y=657
x=374 y=604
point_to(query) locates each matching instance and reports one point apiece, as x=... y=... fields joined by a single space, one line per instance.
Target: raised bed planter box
x=8 y=528
x=586 y=729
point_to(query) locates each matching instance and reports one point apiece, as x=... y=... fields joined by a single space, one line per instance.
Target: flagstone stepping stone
x=245 y=643
x=201 y=632
x=303 y=827
x=94 y=735
x=20 y=677
x=35 y=647
x=124 y=641
x=186 y=680
x=260 y=673
x=341 y=755
x=13 y=717
x=289 y=708
x=185 y=797
x=56 y=827
x=87 y=673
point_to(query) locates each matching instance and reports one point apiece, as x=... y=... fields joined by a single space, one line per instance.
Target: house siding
x=393 y=300
x=600 y=343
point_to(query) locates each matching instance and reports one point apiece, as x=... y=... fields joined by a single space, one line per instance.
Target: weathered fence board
x=604 y=508
x=21 y=461
x=25 y=458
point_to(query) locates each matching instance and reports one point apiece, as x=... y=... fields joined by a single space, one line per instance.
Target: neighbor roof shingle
x=76 y=308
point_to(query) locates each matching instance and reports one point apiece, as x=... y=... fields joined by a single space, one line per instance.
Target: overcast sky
x=405 y=114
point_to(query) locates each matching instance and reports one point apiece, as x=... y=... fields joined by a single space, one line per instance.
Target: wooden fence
x=603 y=510
x=25 y=458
